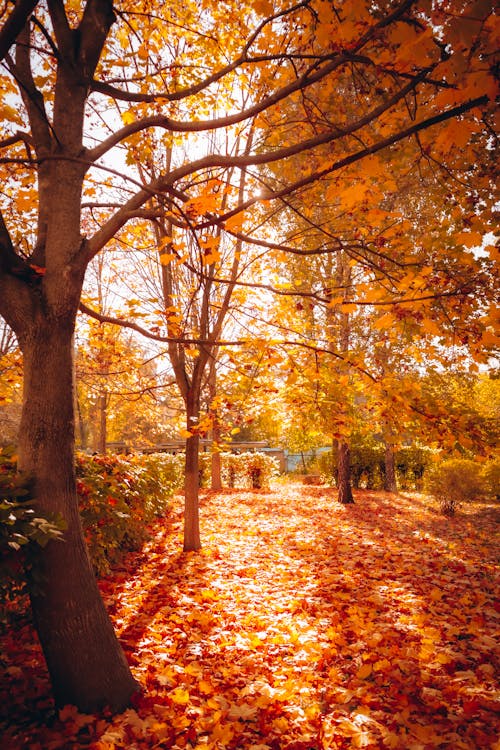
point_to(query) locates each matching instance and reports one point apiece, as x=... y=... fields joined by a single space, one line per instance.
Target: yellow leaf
x=354 y=195
x=9 y=113
x=470 y=239
x=348 y=307
x=430 y=326
x=209 y=595
x=382 y=665
x=205 y=687
x=179 y=696
x=386 y=321
x=128 y=117
x=211 y=257
x=234 y=223
x=166 y=258
x=364 y=671
x=489 y=339
x=280 y=724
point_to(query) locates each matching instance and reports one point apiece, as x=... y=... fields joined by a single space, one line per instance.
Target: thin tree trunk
x=390 y=469
x=82 y=427
x=102 y=411
x=216 y=469
x=343 y=281
x=192 y=477
x=191 y=492
x=86 y=663
x=216 y=463
x=344 y=474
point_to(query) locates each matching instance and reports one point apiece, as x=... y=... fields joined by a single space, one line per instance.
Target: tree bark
x=192 y=477
x=86 y=663
x=102 y=411
x=216 y=470
x=390 y=469
x=216 y=463
x=39 y=298
x=343 y=278
x=192 y=539
x=344 y=474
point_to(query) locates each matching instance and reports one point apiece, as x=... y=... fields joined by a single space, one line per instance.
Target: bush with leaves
x=412 y=463
x=454 y=482
x=491 y=478
x=21 y=525
x=119 y=496
x=257 y=469
x=249 y=469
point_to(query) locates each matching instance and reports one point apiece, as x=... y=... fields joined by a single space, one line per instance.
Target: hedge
x=243 y=470
x=119 y=497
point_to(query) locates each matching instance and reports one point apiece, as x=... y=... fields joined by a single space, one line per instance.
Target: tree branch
x=211 y=342
x=165 y=183
x=311 y=76
x=18 y=137
x=14 y=24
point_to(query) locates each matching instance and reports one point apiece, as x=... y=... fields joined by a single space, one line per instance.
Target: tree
x=70 y=62
x=206 y=306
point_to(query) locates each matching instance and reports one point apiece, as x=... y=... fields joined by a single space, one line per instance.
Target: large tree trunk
x=344 y=473
x=390 y=469
x=86 y=663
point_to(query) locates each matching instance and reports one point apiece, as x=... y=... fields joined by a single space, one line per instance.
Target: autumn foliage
x=302 y=625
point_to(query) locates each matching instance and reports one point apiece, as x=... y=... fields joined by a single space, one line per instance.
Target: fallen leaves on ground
x=301 y=625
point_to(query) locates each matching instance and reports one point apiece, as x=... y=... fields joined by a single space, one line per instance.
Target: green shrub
x=367 y=467
x=411 y=465
x=119 y=496
x=454 y=482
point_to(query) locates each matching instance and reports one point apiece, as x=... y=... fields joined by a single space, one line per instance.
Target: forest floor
x=301 y=625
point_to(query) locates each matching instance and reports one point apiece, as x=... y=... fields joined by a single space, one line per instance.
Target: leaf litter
x=302 y=624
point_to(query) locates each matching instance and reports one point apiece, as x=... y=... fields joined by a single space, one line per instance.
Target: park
x=249 y=390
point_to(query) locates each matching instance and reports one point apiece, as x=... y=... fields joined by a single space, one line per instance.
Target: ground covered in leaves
x=301 y=625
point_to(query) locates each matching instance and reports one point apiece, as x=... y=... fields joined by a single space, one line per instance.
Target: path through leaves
x=302 y=624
